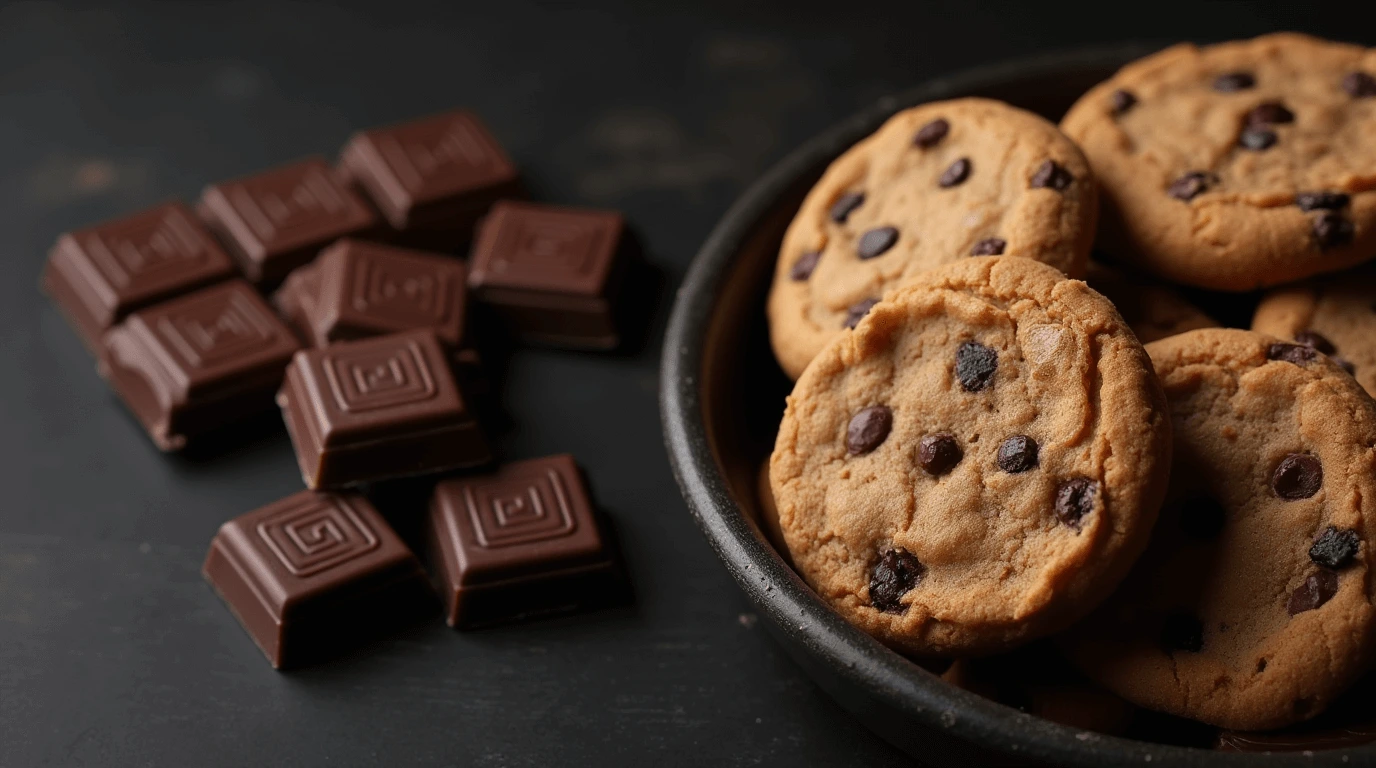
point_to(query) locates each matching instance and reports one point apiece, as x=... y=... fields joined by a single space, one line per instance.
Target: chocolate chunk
x=1269 y=113
x=1345 y=364
x=1328 y=201
x=1257 y=139
x=897 y=572
x=1121 y=101
x=1182 y=632
x=932 y=133
x=1051 y=175
x=1190 y=185
x=939 y=454
x=857 y=311
x=1316 y=341
x=989 y=246
x=1234 y=81
x=1335 y=548
x=803 y=267
x=841 y=209
x=1298 y=476
x=1331 y=229
x=876 y=241
x=868 y=429
x=1074 y=500
x=958 y=172
x=1316 y=590
x=1290 y=353
x=975 y=365
x=1202 y=518
x=1359 y=84
x=1019 y=454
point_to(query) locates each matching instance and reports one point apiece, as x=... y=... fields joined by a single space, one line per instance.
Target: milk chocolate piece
x=312 y=572
x=296 y=301
x=199 y=362
x=432 y=178
x=522 y=541
x=277 y=220
x=553 y=273
x=383 y=407
x=99 y=274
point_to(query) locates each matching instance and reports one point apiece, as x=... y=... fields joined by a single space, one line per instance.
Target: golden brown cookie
x=1152 y=310
x=977 y=464
x=1335 y=315
x=936 y=183
x=1239 y=165
x=1251 y=608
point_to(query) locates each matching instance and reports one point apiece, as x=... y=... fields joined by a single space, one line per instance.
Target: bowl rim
x=897 y=682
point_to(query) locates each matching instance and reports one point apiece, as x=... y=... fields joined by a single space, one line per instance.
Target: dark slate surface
x=113 y=651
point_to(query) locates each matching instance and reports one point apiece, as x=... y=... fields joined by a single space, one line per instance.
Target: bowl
x=721 y=399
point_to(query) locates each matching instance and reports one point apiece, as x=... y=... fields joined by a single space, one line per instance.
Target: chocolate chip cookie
x=1239 y=165
x=1251 y=607
x=938 y=183
x=977 y=464
x=1334 y=315
x=1152 y=310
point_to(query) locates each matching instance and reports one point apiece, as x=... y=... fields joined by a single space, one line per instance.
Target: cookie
x=937 y=183
x=1334 y=315
x=1250 y=609
x=1239 y=165
x=977 y=464
x=1152 y=310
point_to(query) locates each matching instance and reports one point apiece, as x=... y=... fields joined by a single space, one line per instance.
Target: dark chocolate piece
x=277 y=220
x=868 y=429
x=296 y=302
x=1298 y=354
x=554 y=274
x=932 y=133
x=1234 y=81
x=955 y=174
x=1051 y=175
x=1075 y=501
x=876 y=242
x=309 y=571
x=384 y=407
x=845 y=205
x=99 y=274
x=939 y=454
x=1298 y=476
x=857 y=311
x=1190 y=185
x=1335 y=548
x=1317 y=589
x=1332 y=229
x=519 y=542
x=1269 y=113
x=892 y=577
x=989 y=246
x=432 y=178
x=1120 y=101
x=975 y=366
x=1257 y=139
x=1316 y=341
x=199 y=362
x=1322 y=201
x=803 y=267
x=1017 y=454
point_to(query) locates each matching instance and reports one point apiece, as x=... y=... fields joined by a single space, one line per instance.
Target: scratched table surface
x=113 y=651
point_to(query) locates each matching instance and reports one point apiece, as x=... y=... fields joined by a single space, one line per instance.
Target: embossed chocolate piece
x=554 y=274
x=519 y=542
x=99 y=274
x=277 y=220
x=312 y=571
x=199 y=362
x=432 y=178
x=382 y=407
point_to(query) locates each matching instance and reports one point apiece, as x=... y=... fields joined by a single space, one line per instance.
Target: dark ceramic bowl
x=722 y=397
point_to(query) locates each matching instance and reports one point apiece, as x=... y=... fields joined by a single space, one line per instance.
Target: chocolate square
x=99 y=274
x=198 y=362
x=277 y=220
x=432 y=178
x=519 y=542
x=382 y=407
x=296 y=302
x=552 y=273
x=367 y=289
x=309 y=570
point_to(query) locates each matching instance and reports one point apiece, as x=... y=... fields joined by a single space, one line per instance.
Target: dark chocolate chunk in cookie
x=844 y=205
x=1335 y=548
x=1051 y=175
x=1257 y=139
x=876 y=241
x=1190 y=185
x=1290 y=353
x=1269 y=113
x=1075 y=500
x=939 y=454
x=1345 y=364
x=1202 y=518
x=1332 y=229
x=1325 y=201
x=896 y=573
x=932 y=133
x=955 y=174
x=1315 y=341
x=1121 y=101
x=1359 y=85
x=1316 y=590
x=803 y=267
x=989 y=246
x=857 y=311
x=1182 y=632
x=975 y=365
x=1234 y=81
x=1017 y=454
x=868 y=429
x=1298 y=476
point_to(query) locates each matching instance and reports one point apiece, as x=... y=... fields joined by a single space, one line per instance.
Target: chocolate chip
x=1257 y=139
x=1290 y=353
x=1202 y=518
x=876 y=241
x=958 y=172
x=1051 y=175
x=892 y=577
x=939 y=454
x=1359 y=84
x=857 y=311
x=1298 y=476
x=1190 y=185
x=1331 y=229
x=1335 y=548
x=1315 y=341
x=1074 y=500
x=1018 y=454
x=932 y=133
x=1328 y=201
x=975 y=365
x=803 y=267
x=1234 y=81
x=868 y=429
x=1345 y=364
x=1269 y=113
x=1121 y=101
x=989 y=246
x=841 y=209
x=1182 y=632
x=1316 y=590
